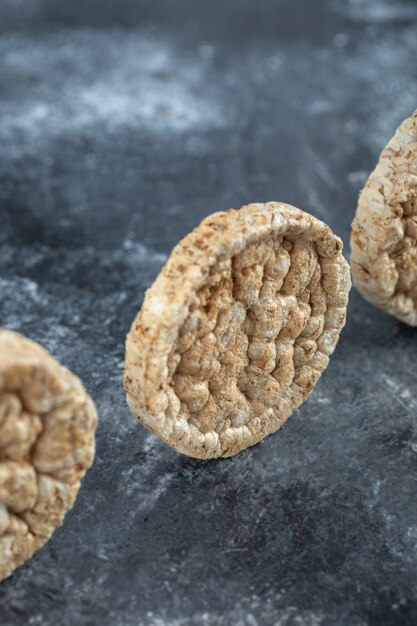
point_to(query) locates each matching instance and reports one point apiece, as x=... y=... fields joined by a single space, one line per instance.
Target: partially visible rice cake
x=47 y=438
x=384 y=231
x=236 y=330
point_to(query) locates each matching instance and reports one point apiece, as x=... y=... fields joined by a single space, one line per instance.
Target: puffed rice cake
x=384 y=231
x=237 y=328
x=47 y=439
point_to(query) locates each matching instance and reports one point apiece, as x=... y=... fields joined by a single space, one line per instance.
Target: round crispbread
x=237 y=328
x=384 y=231
x=47 y=439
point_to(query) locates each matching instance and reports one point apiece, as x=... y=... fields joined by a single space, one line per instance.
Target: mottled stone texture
x=123 y=124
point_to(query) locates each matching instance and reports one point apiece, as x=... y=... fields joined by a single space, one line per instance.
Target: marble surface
x=122 y=124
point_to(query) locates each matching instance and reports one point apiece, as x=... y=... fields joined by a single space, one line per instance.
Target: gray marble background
x=122 y=124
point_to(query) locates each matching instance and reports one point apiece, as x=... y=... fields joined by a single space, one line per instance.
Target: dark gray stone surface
x=123 y=124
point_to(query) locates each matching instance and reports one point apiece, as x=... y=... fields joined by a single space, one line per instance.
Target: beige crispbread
x=384 y=231
x=47 y=427
x=236 y=330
